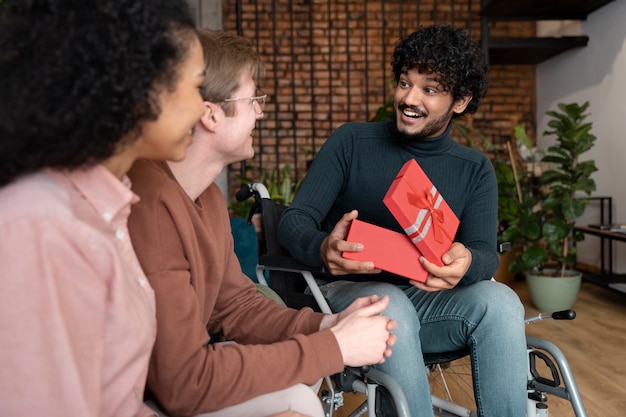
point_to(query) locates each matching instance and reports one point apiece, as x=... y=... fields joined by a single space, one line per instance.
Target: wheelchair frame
x=369 y=381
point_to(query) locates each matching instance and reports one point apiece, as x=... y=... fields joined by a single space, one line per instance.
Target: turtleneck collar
x=435 y=144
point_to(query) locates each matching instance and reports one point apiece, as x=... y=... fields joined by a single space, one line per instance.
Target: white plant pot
x=552 y=294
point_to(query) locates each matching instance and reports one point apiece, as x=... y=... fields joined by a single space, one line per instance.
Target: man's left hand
x=457 y=261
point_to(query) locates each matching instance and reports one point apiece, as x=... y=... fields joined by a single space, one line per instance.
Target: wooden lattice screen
x=328 y=62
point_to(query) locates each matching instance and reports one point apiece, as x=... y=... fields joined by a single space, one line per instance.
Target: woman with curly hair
x=87 y=87
x=441 y=75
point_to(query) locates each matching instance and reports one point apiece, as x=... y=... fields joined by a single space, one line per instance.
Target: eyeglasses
x=258 y=100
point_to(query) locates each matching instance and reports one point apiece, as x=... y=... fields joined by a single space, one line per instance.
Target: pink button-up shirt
x=77 y=315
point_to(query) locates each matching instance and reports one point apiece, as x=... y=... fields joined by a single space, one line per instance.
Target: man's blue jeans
x=486 y=317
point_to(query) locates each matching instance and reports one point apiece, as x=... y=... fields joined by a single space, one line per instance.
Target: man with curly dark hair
x=87 y=87
x=441 y=75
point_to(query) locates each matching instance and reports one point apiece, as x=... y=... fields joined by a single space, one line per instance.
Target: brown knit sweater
x=186 y=251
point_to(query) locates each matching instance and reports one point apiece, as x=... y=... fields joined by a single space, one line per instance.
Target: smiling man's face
x=423 y=109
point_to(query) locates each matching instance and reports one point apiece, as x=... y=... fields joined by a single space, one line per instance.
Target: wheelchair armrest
x=504 y=247
x=287 y=263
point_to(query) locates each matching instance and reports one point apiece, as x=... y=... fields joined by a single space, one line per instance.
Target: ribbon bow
x=428 y=204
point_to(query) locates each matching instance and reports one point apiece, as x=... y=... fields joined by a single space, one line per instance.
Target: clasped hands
x=362 y=332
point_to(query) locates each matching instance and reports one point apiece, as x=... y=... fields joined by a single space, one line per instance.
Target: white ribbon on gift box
x=424 y=214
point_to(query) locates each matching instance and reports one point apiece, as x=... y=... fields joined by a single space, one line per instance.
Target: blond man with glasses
x=181 y=232
x=257 y=102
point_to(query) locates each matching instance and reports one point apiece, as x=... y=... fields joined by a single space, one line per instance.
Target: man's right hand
x=333 y=246
x=364 y=336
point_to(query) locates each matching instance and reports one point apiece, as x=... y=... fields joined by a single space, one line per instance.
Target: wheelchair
x=549 y=372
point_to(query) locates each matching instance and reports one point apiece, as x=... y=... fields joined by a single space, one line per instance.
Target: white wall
x=595 y=73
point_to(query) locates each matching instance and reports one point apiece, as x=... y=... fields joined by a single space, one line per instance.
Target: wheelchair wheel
x=452 y=382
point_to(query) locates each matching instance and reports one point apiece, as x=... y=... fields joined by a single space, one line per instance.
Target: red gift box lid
x=422 y=212
x=390 y=251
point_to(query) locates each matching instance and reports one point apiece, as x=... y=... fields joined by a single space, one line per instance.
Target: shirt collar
x=109 y=195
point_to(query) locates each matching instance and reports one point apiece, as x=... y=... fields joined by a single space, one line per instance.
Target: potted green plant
x=549 y=201
x=501 y=156
x=281 y=188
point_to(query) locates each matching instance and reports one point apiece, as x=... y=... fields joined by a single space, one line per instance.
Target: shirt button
x=120 y=234
x=107 y=215
x=142 y=281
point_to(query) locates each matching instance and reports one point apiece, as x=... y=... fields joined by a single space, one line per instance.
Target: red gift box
x=422 y=212
x=390 y=251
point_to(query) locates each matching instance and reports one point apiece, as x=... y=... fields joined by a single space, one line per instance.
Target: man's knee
x=400 y=307
x=500 y=301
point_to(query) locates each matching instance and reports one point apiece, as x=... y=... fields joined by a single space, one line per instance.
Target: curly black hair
x=77 y=76
x=449 y=53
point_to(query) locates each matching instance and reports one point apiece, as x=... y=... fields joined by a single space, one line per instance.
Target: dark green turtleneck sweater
x=356 y=166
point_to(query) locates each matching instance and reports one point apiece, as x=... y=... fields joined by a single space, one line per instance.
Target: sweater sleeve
x=189 y=376
x=306 y=223
x=478 y=226
x=187 y=253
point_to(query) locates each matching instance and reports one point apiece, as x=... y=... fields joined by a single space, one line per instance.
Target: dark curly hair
x=77 y=76
x=449 y=53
